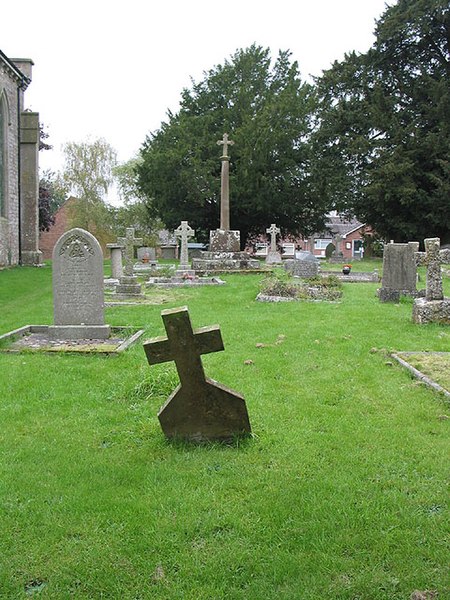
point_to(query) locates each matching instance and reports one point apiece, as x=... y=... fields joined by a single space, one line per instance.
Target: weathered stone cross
x=184 y=232
x=273 y=230
x=129 y=242
x=225 y=184
x=199 y=408
x=432 y=258
x=225 y=142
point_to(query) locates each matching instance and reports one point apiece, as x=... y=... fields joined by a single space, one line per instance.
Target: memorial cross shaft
x=225 y=183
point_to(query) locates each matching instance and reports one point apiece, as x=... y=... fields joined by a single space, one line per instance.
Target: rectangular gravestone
x=399 y=272
x=146 y=253
x=78 y=303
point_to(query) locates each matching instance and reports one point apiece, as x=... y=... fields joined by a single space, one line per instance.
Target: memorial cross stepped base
x=199 y=409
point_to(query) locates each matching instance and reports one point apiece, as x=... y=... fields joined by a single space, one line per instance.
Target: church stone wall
x=9 y=219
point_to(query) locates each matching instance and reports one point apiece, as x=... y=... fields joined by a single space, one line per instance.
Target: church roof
x=14 y=71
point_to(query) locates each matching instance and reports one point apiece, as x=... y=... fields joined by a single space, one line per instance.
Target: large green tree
x=265 y=108
x=382 y=145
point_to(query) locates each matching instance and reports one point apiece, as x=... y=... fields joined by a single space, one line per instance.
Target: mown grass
x=339 y=494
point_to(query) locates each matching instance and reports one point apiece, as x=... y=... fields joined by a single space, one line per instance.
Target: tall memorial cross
x=184 y=232
x=225 y=183
x=273 y=230
x=199 y=408
x=433 y=258
x=128 y=243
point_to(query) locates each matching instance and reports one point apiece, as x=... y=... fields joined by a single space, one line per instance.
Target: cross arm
x=208 y=339
x=158 y=350
x=445 y=256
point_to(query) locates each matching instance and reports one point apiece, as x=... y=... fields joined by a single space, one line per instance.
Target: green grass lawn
x=339 y=494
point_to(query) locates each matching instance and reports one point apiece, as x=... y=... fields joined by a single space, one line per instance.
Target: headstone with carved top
x=199 y=409
x=184 y=232
x=434 y=307
x=273 y=256
x=78 y=306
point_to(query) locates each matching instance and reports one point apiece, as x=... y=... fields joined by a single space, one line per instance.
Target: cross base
x=431 y=311
x=209 y=412
x=273 y=258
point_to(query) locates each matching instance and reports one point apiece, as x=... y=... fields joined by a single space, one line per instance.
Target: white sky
x=111 y=69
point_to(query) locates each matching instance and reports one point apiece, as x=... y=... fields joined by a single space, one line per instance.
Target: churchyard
x=338 y=493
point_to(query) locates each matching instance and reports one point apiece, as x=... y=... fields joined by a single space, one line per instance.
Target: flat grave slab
x=35 y=338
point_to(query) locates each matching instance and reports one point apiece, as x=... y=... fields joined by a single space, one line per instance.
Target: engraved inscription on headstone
x=78 y=286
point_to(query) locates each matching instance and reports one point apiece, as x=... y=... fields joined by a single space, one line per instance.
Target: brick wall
x=48 y=239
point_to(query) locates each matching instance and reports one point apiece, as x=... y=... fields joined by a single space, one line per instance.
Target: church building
x=19 y=167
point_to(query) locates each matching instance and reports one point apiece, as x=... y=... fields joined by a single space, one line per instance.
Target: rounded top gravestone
x=78 y=279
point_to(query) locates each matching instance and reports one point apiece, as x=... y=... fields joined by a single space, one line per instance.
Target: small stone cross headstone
x=273 y=230
x=432 y=258
x=273 y=256
x=184 y=232
x=199 y=409
x=129 y=242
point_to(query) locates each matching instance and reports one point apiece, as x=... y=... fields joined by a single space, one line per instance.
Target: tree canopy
x=266 y=111
x=381 y=146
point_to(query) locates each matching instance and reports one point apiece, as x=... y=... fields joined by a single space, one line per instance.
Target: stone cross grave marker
x=273 y=230
x=199 y=409
x=184 y=232
x=78 y=306
x=129 y=242
x=432 y=258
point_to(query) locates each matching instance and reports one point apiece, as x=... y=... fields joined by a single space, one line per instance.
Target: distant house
x=345 y=235
x=19 y=171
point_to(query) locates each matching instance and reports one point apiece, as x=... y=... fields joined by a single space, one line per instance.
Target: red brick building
x=63 y=217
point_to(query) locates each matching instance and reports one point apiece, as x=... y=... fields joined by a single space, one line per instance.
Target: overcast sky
x=112 y=69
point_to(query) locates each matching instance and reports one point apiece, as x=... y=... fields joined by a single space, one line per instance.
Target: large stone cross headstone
x=199 y=409
x=432 y=258
x=78 y=305
x=129 y=242
x=273 y=256
x=184 y=232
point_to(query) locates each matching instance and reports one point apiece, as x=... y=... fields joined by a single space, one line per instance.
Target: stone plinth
x=273 y=258
x=116 y=260
x=129 y=286
x=431 y=311
x=222 y=240
x=225 y=261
